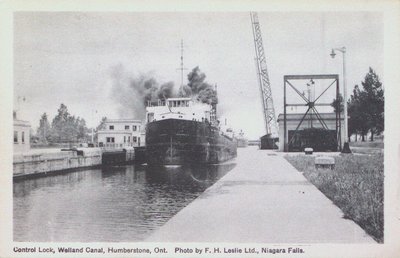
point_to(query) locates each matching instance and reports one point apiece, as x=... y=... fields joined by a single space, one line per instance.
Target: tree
x=82 y=130
x=68 y=128
x=366 y=107
x=357 y=117
x=373 y=102
x=44 y=130
x=337 y=104
x=59 y=125
x=102 y=124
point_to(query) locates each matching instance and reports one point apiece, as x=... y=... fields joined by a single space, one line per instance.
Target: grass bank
x=367 y=144
x=355 y=186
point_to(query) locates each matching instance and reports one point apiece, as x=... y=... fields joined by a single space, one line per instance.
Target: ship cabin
x=179 y=108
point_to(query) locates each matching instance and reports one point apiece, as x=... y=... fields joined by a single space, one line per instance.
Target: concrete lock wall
x=30 y=164
x=130 y=154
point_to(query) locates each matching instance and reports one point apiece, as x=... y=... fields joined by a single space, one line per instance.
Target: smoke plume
x=133 y=93
x=199 y=89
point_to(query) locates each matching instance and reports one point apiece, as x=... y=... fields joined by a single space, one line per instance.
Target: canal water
x=111 y=204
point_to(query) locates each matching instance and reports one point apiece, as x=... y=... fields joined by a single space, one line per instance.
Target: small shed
x=267 y=142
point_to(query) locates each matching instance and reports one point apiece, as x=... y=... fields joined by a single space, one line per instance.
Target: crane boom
x=271 y=125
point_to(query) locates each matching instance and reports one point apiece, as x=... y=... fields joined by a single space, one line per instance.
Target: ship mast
x=182 y=68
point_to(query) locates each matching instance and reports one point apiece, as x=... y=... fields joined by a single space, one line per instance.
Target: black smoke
x=198 y=88
x=133 y=93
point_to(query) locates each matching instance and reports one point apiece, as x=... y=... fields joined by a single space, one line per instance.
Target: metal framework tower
x=265 y=86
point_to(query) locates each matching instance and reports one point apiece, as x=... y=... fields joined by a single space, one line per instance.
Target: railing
x=155 y=104
x=117 y=145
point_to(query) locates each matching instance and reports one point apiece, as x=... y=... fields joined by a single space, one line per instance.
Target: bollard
x=325 y=162
x=308 y=151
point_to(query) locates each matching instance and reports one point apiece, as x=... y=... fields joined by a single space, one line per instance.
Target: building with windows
x=119 y=133
x=21 y=134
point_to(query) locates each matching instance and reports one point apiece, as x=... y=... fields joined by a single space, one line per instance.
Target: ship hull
x=242 y=143
x=179 y=142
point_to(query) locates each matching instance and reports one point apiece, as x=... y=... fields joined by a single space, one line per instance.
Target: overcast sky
x=69 y=57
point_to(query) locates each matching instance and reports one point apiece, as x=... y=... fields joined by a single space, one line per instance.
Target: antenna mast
x=271 y=125
x=181 y=68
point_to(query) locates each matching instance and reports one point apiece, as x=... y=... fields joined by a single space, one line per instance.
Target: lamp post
x=346 y=148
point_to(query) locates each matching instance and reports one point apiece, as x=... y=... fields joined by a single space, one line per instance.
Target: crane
x=271 y=125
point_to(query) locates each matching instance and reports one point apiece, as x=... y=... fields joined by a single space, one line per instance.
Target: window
x=15 y=137
x=134 y=138
x=126 y=127
x=124 y=138
x=111 y=127
x=110 y=139
x=23 y=137
x=129 y=139
x=134 y=127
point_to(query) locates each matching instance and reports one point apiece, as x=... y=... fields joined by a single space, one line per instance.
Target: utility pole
x=271 y=125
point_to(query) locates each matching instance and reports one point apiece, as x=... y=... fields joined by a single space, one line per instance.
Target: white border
x=391 y=10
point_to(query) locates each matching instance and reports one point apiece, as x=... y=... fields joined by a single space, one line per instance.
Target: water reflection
x=121 y=203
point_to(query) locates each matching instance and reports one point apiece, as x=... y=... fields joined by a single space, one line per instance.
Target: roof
x=123 y=120
x=179 y=99
x=113 y=132
x=17 y=122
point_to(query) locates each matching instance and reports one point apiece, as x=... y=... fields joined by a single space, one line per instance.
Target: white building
x=118 y=133
x=21 y=134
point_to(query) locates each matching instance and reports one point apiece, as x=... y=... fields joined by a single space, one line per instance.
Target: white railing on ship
x=153 y=104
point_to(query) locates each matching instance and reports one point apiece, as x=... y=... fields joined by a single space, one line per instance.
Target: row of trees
x=64 y=128
x=365 y=107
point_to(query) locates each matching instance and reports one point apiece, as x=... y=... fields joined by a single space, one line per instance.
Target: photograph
x=200 y=133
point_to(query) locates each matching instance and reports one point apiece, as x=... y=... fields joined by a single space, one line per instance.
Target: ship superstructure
x=242 y=141
x=180 y=108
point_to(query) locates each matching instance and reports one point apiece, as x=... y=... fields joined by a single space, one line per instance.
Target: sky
x=69 y=57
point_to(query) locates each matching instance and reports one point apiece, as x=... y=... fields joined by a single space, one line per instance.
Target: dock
x=263 y=199
x=39 y=162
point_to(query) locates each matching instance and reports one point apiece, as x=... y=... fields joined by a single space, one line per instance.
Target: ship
x=183 y=131
x=242 y=141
